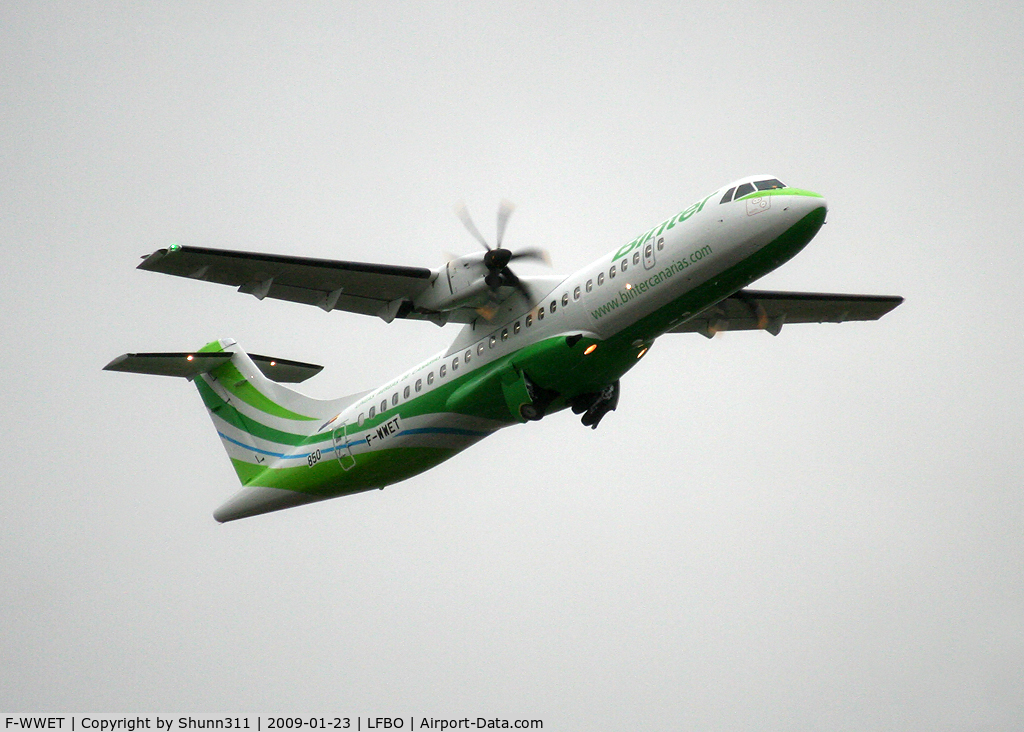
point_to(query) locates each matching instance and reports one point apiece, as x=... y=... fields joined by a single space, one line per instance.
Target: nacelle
x=458 y=284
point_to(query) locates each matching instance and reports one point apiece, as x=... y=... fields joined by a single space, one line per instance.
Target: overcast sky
x=823 y=530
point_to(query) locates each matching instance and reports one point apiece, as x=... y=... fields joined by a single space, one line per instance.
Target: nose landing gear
x=594 y=405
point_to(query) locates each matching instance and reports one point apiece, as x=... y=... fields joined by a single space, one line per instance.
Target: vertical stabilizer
x=258 y=420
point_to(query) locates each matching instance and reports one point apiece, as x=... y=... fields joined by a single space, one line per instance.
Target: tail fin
x=259 y=421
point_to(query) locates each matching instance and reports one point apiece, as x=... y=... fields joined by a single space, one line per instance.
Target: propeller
x=497 y=259
x=505 y=209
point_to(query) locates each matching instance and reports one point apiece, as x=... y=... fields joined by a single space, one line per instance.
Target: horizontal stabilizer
x=190 y=365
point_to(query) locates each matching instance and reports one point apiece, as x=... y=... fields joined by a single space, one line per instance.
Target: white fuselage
x=713 y=238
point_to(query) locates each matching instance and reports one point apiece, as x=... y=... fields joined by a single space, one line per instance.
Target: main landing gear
x=540 y=400
x=595 y=405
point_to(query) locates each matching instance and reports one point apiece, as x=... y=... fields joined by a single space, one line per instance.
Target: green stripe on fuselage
x=570 y=372
x=327 y=478
x=757 y=265
x=781 y=192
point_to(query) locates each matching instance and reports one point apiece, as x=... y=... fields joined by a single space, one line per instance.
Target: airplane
x=529 y=346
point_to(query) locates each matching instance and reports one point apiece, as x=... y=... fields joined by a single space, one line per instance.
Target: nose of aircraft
x=804 y=209
x=805 y=202
x=806 y=212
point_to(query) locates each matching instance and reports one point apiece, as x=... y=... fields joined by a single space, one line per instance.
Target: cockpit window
x=743 y=190
x=727 y=197
x=767 y=185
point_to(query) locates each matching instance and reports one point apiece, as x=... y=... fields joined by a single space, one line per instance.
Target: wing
x=766 y=310
x=371 y=289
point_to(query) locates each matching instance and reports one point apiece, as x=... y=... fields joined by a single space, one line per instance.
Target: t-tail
x=262 y=424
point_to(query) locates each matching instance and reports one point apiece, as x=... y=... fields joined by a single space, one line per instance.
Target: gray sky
x=817 y=531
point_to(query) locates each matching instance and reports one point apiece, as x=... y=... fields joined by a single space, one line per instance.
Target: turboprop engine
x=462 y=282
x=475 y=280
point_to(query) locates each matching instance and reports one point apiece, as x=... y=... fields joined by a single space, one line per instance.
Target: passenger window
x=384 y=406
x=590 y=285
x=515 y=328
x=611 y=273
x=468 y=354
x=743 y=190
x=430 y=378
x=361 y=419
x=405 y=393
x=419 y=385
x=394 y=399
x=373 y=412
x=494 y=339
x=455 y=364
x=529 y=320
x=636 y=258
x=565 y=299
x=727 y=197
x=661 y=243
x=771 y=183
x=540 y=313
x=600 y=279
x=480 y=349
x=624 y=265
x=554 y=306
x=442 y=371
x=504 y=334
x=576 y=293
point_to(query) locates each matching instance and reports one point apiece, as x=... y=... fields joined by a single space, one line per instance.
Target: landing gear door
x=342 y=448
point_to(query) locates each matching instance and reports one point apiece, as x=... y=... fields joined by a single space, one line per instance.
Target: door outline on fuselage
x=650 y=253
x=342 y=448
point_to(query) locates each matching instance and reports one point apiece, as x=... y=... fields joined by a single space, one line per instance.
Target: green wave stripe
x=216 y=404
x=238 y=385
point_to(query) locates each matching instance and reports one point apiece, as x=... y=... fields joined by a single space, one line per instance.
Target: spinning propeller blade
x=463 y=213
x=541 y=255
x=496 y=260
x=504 y=211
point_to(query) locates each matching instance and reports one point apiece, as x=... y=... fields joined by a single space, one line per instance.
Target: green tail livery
x=528 y=346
